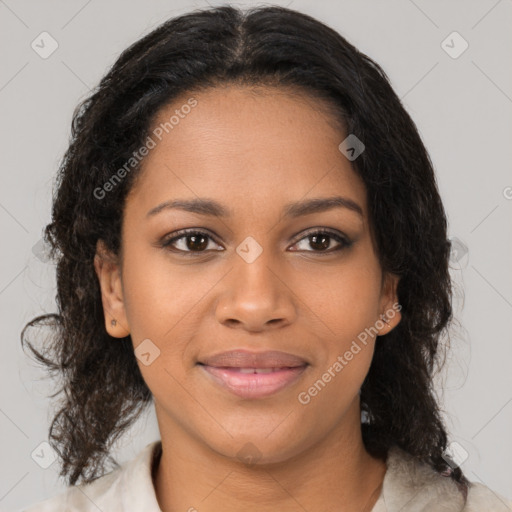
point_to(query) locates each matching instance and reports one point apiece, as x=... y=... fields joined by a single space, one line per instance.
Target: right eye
x=189 y=241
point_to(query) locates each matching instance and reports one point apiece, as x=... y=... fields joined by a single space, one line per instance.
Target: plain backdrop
x=460 y=99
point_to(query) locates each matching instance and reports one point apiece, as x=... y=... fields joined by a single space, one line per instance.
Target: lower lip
x=254 y=385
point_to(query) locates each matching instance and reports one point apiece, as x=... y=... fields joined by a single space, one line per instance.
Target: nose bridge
x=255 y=295
x=253 y=275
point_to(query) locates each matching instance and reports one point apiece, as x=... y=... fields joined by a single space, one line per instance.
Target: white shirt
x=408 y=486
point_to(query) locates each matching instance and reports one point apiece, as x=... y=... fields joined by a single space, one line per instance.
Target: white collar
x=409 y=486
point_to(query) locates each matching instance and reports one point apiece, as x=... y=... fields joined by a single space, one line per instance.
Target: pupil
x=192 y=242
x=324 y=244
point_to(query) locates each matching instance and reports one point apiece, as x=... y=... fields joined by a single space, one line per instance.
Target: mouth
x=253 y=383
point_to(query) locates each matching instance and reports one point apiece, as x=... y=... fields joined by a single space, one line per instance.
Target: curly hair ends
x=104 y=391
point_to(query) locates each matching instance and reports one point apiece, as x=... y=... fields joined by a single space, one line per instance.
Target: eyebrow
x=293 y=210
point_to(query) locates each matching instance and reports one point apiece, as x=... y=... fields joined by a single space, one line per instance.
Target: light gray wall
x=462 y=106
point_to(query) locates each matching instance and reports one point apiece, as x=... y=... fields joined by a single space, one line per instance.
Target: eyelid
x=322 y=230
x=344 y=242
x=167 y=240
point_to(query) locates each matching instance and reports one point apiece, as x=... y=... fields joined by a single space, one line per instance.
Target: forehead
x=266 y=143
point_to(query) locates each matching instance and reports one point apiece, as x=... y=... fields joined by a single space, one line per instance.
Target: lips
x=253 y=385
x=253 y=375
x=246 y=359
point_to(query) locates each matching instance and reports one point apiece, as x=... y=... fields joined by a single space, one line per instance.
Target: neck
x=335 y=474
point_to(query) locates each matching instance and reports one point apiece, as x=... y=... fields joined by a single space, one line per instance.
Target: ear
x=109 y=276
x=390 y=315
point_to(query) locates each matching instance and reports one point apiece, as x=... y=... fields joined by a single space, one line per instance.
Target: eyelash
x=167 y=242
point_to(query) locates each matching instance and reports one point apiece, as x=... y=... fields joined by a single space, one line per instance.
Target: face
x=261 y=267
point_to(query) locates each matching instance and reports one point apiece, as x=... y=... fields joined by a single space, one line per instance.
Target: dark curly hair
x=104 y=391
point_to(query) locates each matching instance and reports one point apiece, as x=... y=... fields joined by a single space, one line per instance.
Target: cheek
x=160 y=325
x=349 y=308
x=345 y=300
x=163 y=305
x=157 y=299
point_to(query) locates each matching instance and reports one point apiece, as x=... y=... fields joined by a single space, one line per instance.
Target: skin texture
x=253 y=150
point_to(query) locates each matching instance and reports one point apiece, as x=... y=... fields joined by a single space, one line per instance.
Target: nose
x=255 y=297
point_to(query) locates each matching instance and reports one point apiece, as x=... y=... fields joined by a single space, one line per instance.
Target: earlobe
x=389 y=320
x=109 y=277
x=390 y=308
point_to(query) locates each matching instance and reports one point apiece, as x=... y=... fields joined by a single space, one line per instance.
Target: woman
x=248 y=233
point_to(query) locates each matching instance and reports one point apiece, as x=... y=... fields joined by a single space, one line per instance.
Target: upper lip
x=247 y=359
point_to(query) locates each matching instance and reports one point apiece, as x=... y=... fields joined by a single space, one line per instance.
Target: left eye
x=321 y=241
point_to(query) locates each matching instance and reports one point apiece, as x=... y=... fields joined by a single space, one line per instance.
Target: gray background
x=463 y=109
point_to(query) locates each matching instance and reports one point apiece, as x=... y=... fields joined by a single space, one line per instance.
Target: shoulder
x=412 y=486
x=128 y=488
x=481 y=498
x=83 y=497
